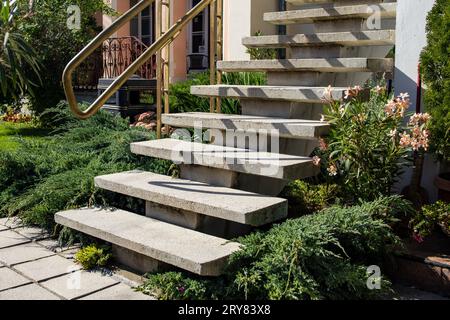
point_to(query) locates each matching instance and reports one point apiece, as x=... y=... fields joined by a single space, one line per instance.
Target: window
x=198 y=40
x=141 y=26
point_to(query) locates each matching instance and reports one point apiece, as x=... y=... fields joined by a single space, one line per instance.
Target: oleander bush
x=435 y=65
x=369 y=146
x=319 y=256
x=40 y=178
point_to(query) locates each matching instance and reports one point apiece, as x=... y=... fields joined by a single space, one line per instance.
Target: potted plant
x=435 y=68
x=429 y=217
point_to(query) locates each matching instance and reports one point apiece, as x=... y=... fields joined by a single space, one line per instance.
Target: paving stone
x=118 y=292
x=11 y=279
x=23 y=253
x=10 y=238
x=11 y=222
x=78 y=284
x=47 y=268
x=2 y=228
x=32 y=233
x=53 y=245
x=28 y=292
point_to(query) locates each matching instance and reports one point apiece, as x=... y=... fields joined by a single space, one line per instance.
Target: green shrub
x=93 y=256
x=426 y=220
x=435 y=67
x=320 y=256
x=306 y=198
x=56 y=173
x=368 y=146
x=181 y=99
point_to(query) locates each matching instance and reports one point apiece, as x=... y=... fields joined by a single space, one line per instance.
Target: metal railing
x=165 y=36
x=119 y=53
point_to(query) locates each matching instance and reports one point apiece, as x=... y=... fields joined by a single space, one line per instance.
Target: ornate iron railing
x=119 y=53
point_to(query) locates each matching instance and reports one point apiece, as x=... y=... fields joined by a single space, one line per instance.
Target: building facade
x=190 y=51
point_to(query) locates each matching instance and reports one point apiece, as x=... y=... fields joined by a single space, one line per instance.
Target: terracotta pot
x=442 y=182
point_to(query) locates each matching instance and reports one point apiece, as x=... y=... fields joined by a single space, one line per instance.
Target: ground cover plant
x=319 y=256
x=40 y=178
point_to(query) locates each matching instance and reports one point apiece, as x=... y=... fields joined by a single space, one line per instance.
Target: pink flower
x=323 y=146
x=418 y=237
x=352 y=92
x=328 y=94
x=380 y=90
x=405 y=140
x=332 y=170
x=316 y=161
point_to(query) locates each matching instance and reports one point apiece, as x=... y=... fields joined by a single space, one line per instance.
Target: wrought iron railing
x=159 y=47
x=119 y=53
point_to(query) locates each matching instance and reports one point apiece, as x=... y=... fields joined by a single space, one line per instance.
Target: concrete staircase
x=230 y=183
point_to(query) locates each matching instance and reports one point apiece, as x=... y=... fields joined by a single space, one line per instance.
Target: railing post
x=166 y=59
x=212 y=51
x=159 y=67
x=219 y=48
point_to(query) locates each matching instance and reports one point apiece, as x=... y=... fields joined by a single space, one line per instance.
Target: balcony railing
x=119 y=53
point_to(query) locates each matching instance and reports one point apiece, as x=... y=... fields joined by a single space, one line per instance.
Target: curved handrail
x=160 y=43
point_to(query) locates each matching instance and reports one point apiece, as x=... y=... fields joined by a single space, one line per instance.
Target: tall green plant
x=19 y=63
x=435 y=64
x=181 y=99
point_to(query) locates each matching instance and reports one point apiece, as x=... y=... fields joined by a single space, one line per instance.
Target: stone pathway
x=34 y=267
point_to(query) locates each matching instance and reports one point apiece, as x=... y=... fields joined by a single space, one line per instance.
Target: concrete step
x=335 y=65
x=331 y=12
x=349 y=39
x=314 y=2
x=189 y=250
x=280 y=93
x=287 y=128
x=279 y=166
x=219 y=202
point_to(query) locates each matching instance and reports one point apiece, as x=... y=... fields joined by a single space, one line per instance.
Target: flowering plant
x=368 y=145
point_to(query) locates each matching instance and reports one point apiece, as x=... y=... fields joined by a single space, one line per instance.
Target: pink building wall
x=179 y=48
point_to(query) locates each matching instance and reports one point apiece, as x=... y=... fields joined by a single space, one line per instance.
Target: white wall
x=237 y=25
x=243 y=18
x=411 y=39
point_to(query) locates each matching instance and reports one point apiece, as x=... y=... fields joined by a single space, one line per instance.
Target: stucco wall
x=243 y=18
x=410 y=40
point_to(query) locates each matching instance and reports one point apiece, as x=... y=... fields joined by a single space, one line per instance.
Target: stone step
x=196 y=197
x=314 y=2
x=280 y=93
x=335 y=65
x=279 y=166
x=349 y=39
x=187 y=249
x=332 y=12
x=286 y=128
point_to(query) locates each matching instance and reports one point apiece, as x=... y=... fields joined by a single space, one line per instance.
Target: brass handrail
x=160 y=43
